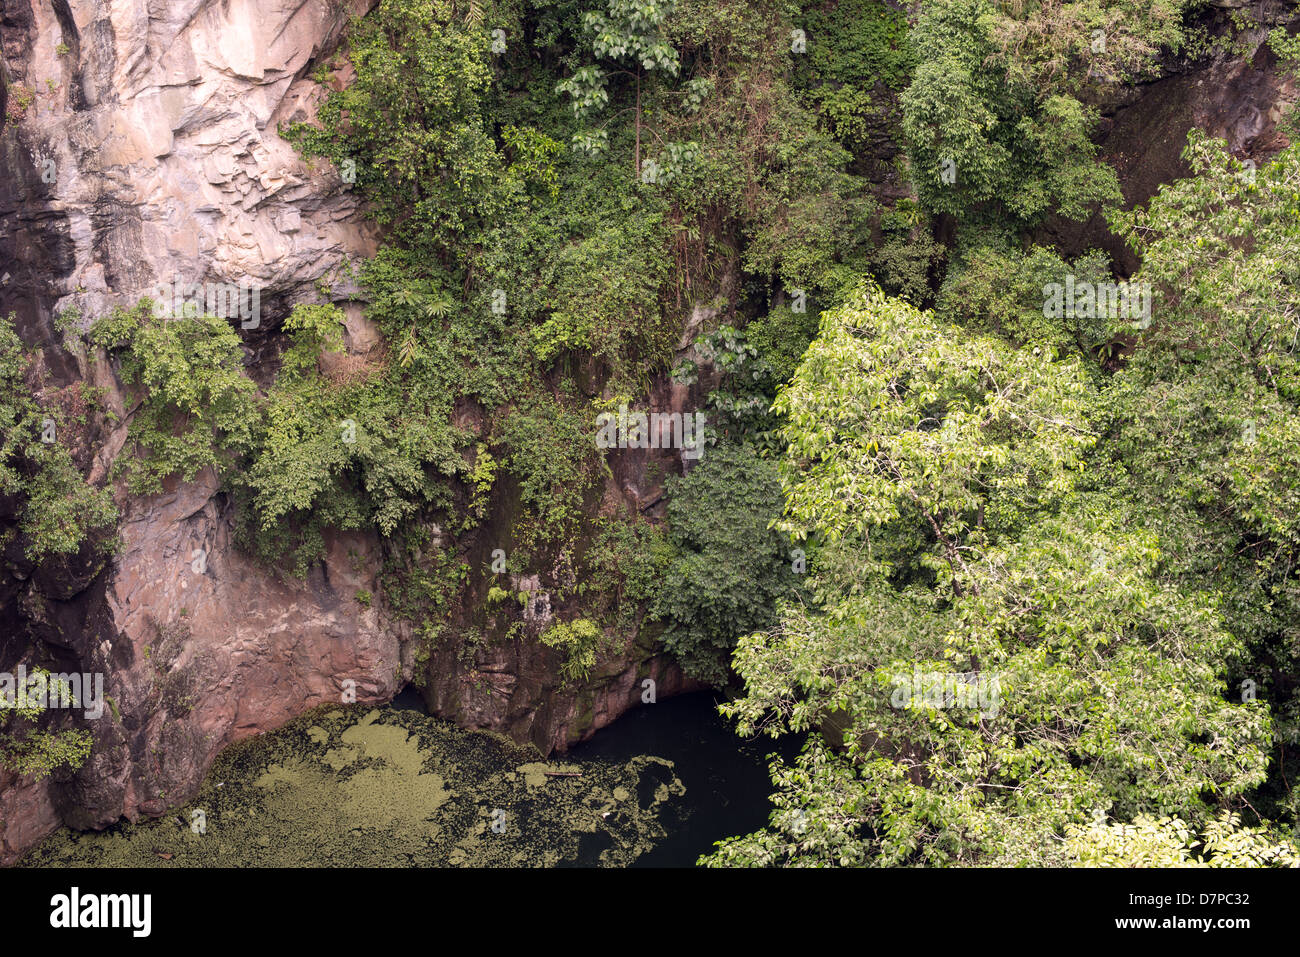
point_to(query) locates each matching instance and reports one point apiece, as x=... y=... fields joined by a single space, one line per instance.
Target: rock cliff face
x=139 y=146
x=148 y=152
x=1238 y=97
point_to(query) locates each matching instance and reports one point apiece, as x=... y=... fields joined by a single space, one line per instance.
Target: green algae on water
x=347 y=787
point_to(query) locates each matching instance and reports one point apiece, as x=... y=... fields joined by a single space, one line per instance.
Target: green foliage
x=315 y=452
x=420 y=583
x=748 y=170
x=623 y=567
x=858 y=43
x=19 y=98
x=481 y=479
x=629 y=32
x=578 y=639
x=851 y=47
x=728 y=569
x=1085 y=46
x=445 y=345
x=945 y=480
x=886 y=393
x=1287 y=50
x=749 y=381
x=999 y=289
x=497 y=595
x=906 y=258
x=371 y=451
x=549 y=448
x=469 y=181
x=47 y=501
x=1207 y=412
x=604 y=298
x=62 y=510
x=1170 y=842
x=781 y=337
x=415 y=124
x=1018 y=150
x=39 y=753
x=311 y=329
x=28 y=750
x=197 y=405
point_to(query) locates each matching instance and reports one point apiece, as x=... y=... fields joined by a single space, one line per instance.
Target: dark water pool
x=392 y=787
x=726 y=777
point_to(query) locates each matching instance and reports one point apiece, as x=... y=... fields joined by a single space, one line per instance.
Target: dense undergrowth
x=914 y=466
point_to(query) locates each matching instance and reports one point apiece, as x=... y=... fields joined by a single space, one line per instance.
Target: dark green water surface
x=393 y=787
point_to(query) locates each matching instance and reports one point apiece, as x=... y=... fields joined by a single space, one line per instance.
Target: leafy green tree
x=945 y=477
x=985 y=141
x=1206 y=414
x=197 y=405
x=995 y=287
x=372 y=449
x=548 y=446
x=604 y=295
x=853 y=49
x=1087 y=47
x=627 y=32
x=1170 y=842
x=414 y=126
x=743 y=402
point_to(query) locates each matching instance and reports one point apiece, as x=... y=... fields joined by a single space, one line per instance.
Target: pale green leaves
x=941 y=477
x=892 y=411
x=588 y=90
x=1172 y=842
x=630 y=31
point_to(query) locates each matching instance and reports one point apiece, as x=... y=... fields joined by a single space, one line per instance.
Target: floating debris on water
x=347 y=787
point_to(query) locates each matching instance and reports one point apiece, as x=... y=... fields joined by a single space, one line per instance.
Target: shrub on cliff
x=197 y=406
x=46 y=500
x=28 y=749
x=578 y=640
